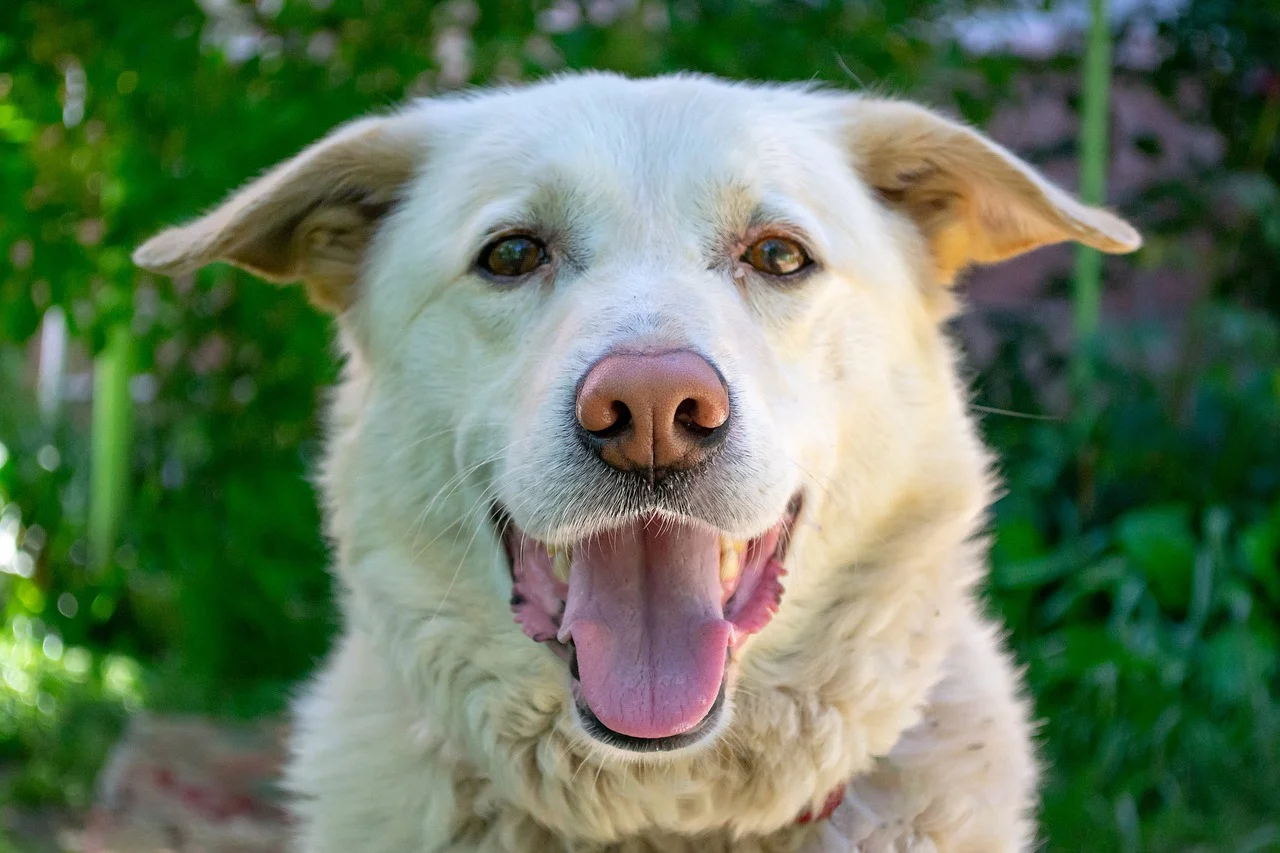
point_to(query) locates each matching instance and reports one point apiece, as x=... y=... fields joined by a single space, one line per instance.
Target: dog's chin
x=647 y=613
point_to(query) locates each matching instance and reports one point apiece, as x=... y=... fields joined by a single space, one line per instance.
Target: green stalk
x=1093 y=183
x=109 y=466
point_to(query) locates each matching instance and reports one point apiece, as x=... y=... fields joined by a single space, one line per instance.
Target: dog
x=656 y=501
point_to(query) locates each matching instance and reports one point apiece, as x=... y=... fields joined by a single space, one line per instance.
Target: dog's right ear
x=309 y=219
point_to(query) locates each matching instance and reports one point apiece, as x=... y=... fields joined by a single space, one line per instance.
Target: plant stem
x=1093 y=184
x=110 y=443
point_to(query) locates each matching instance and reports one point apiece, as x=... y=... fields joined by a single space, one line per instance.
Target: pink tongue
x=645 y=616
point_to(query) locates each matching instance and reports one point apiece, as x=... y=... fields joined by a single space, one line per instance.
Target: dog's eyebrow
x=496 y=217
x=555 y=205
x=776 y=210
x=744 y=207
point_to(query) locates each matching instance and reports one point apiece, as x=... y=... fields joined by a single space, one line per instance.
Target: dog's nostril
x=690 y=416
x=603 y=414
x=615 y=423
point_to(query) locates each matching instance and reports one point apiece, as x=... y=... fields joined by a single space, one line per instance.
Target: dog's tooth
x=729 y=564
x=560 y=560
x=728 y=543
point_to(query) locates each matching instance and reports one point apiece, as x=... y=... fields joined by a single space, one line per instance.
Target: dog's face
x=622 y=340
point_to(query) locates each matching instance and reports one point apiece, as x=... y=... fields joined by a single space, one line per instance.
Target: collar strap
x=834 y=799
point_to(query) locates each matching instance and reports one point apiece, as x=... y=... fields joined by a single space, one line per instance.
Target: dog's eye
x=514 y=256
x=777 y=256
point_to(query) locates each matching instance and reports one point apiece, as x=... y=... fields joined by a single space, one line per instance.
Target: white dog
x=624 y=360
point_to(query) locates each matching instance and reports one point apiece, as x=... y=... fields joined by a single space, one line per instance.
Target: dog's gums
x=648 y=614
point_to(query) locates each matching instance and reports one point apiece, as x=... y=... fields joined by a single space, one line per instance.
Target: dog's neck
x=833 y=801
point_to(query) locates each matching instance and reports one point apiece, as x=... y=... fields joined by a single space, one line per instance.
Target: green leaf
x=1159 y=542
x=1021 y=574
x=1260 y=546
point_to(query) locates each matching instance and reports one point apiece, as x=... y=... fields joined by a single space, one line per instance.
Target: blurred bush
x=1137 y=546
x=1137 y=562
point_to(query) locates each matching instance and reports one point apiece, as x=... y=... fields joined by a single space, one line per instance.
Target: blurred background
x=160 y=554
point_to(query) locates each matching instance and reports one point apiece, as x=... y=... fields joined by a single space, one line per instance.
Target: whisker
x=1009 y=413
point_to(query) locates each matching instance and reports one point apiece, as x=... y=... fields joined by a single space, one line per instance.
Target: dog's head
x=623 y=348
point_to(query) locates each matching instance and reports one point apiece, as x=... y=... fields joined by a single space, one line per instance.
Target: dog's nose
x=653 y=411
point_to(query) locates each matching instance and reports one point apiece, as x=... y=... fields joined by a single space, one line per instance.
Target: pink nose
x=653 y=411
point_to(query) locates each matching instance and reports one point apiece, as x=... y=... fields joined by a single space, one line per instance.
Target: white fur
x=437 y=725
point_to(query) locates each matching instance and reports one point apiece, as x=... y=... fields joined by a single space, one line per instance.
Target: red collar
x=834 y=799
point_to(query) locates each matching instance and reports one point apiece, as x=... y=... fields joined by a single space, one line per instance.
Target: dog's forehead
x=660 y=137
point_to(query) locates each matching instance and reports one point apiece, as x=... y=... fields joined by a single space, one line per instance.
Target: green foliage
x=1136 y=562
x=1136 y=549
x=60 y=712
x=1228 y=47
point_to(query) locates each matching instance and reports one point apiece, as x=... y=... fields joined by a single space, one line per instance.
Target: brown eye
x=777 y=256
x=515 y=256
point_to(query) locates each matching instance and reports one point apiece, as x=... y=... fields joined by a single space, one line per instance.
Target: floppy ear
x=974 y=202
x=309 y=219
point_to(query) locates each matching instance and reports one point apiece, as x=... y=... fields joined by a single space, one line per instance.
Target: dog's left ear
x=974 y=202
x=309 y=219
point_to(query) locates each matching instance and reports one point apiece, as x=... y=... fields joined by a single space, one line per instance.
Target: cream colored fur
x=437 y=725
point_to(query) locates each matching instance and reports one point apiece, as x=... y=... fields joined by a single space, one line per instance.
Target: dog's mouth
x=647 y=615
